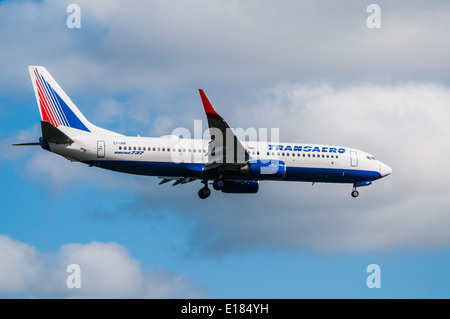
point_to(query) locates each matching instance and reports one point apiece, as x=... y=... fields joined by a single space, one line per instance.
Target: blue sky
x=312 y=69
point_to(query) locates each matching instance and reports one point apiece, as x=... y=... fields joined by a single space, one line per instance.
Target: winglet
x=209 y=109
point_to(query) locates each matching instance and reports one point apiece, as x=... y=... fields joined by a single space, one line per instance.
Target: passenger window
x=120 y=148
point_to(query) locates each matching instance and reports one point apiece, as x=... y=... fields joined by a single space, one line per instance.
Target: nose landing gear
x=355 y=193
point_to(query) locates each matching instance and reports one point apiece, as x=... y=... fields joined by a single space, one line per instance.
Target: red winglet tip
x=209 y=109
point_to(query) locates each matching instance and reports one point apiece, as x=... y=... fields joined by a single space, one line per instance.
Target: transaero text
x=306 y=148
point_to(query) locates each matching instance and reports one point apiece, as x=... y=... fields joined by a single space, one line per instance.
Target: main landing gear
x=205 y=191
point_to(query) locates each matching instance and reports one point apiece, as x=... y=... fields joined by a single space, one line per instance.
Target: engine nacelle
x=269 y=169
x=240 y=187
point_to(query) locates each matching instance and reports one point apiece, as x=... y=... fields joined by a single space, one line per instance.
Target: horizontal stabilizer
x=27 y=144
x=52 y=134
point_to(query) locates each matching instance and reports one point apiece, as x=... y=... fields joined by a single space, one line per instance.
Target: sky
x=312 y=69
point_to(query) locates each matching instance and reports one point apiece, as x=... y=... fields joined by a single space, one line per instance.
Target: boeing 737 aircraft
x=230 y=165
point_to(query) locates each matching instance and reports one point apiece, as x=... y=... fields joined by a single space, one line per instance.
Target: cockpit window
x=370 y=157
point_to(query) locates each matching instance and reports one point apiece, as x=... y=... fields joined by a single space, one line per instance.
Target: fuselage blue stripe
x=300 y=174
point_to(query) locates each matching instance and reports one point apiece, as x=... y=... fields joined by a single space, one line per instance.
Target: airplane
x=223 y=161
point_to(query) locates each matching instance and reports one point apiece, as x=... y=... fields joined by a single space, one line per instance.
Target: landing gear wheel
x=218 y=184
x=355 y=193
x=204 y=192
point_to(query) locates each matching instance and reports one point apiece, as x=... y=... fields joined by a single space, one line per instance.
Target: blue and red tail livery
x=53 y=106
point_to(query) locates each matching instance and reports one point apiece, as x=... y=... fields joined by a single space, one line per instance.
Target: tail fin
x=54 y=105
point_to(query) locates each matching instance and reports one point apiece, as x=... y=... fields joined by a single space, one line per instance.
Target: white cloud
x=162 y=45
x=19 y=266
x=11 y=152
x=106 y=271
x=56 y=171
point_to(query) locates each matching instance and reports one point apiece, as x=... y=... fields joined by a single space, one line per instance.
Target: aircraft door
x=100 y=149
x=353 y=159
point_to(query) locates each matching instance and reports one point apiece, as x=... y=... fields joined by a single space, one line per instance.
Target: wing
x=225 y=151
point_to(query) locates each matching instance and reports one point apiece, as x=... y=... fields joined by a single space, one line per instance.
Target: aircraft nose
x=385 y=170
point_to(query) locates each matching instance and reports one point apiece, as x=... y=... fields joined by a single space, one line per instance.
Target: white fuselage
x=172 y=156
